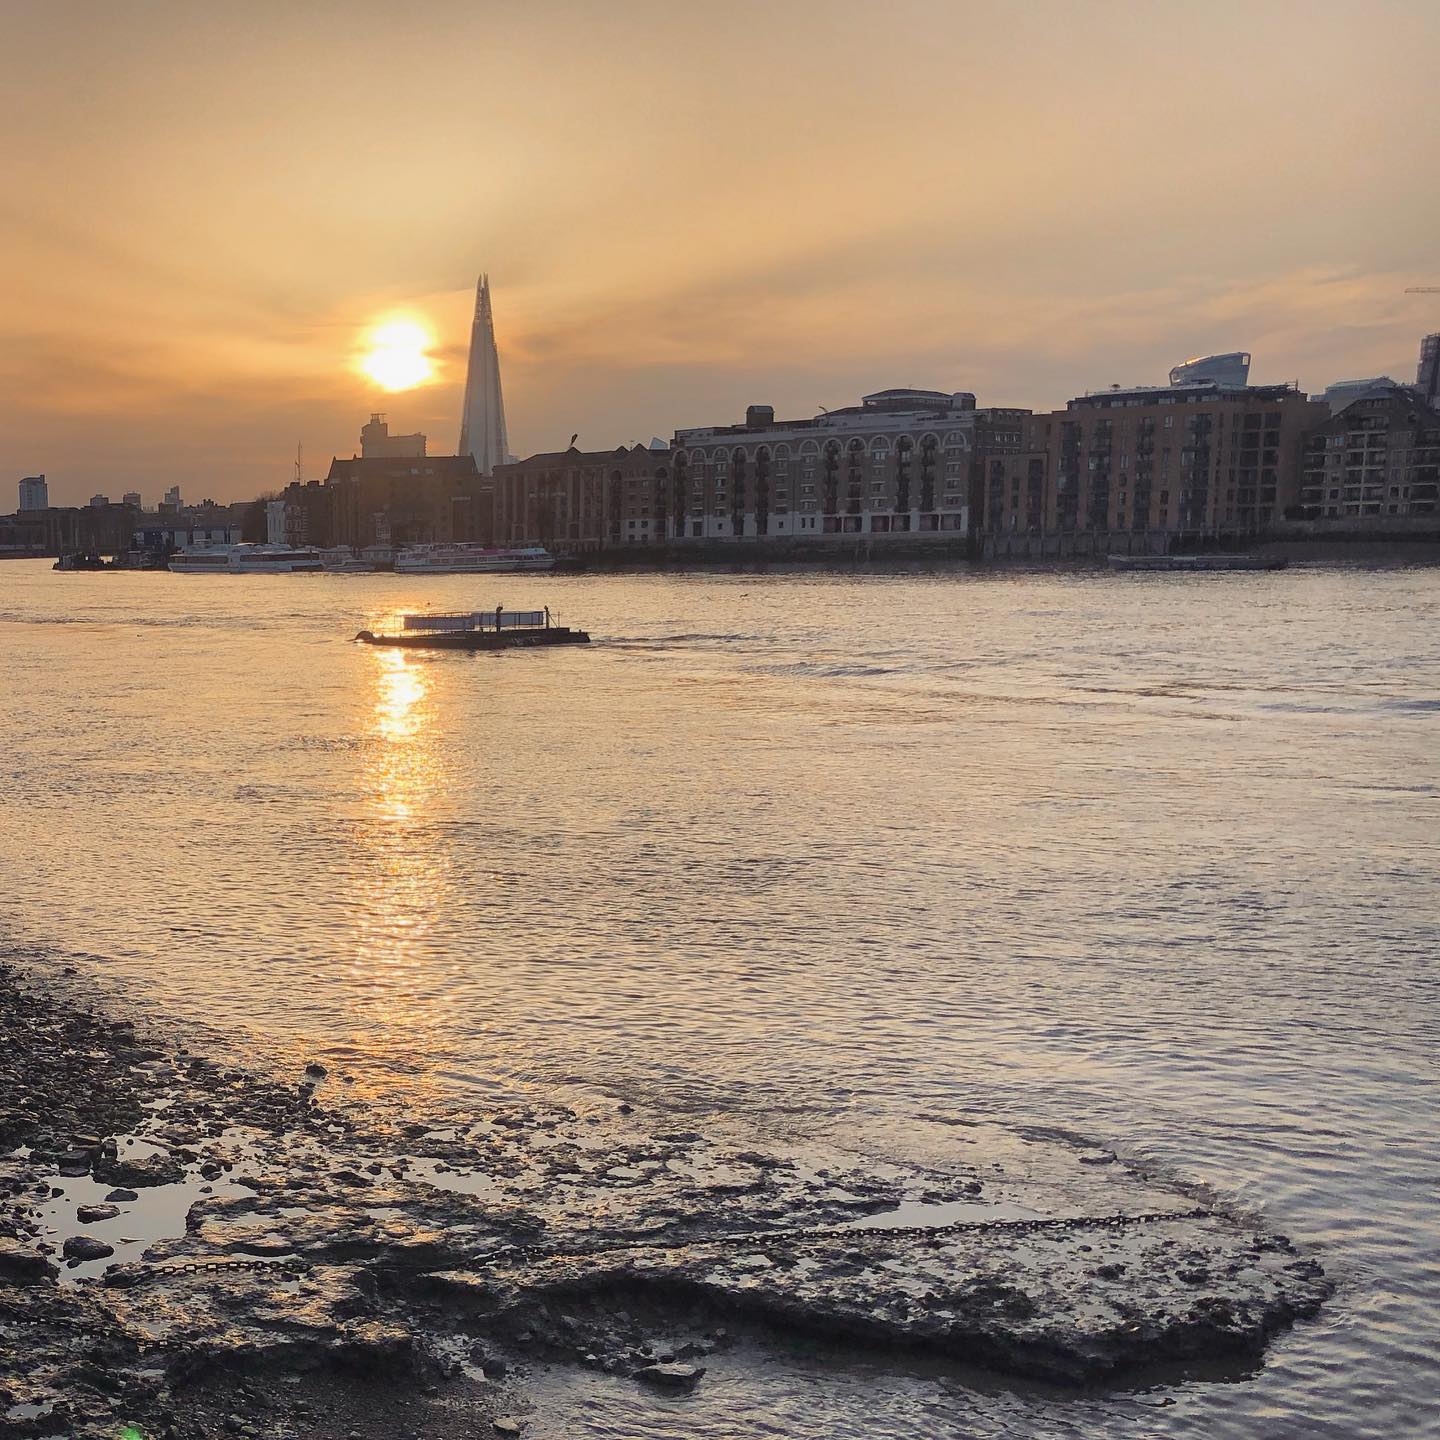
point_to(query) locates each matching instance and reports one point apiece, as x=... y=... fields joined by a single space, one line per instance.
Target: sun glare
x=396 y=359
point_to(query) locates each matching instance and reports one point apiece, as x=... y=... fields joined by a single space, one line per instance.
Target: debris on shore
x=192 y=1250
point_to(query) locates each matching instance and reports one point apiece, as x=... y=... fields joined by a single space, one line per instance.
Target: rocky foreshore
x=193 y=1250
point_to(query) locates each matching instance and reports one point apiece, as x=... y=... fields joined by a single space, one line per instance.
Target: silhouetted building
x=1135 y=469
x=302 y=515
x=1229 y=369
x=582 y=500
x=898 y=463
x=1346 y=392
x=1427 y=376
x=63 y=529
x=186 y=531
x=482 y=425
x=131 y=497
x=1377 y=460
x=34 y=493
x=377 y=443
x=1203 y=459
x=401 y=501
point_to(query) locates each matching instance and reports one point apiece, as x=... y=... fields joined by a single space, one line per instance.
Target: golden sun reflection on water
x=401 y=884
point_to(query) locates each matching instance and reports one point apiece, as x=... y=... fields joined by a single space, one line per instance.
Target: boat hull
x=473 y=567
x=480 y=639
x=1190 y=563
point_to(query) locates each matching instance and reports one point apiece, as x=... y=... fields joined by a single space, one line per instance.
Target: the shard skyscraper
x=482 y=426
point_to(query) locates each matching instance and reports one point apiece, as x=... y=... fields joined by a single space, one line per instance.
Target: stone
x=506 y=1425
x=92 y=1214
x=22 y=1266
x=86 y=1247
x=670 y=1377
x=122 y=1194
x=122 y=1277
x=154 y=1170
x=316 y=1069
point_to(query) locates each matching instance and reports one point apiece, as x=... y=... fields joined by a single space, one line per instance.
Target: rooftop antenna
x=299 y=463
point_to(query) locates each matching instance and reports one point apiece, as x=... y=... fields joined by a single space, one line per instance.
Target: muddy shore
x=392 y=1276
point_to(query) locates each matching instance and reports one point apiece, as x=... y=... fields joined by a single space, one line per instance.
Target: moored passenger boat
x=470 y=559
x=497 y=629
x=247 y=560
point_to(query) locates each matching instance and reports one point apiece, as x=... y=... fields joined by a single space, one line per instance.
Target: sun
x=396 y=358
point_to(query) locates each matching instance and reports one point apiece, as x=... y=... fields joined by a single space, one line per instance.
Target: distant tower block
x=1231 y=369
x=34 y=493
x=1427 y=376
x=482 y=426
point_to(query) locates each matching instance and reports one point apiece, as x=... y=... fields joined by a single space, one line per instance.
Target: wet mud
x=194 y=1250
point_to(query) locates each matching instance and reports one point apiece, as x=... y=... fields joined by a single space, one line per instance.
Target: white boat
x=342 y=560
x=247 y=560
x=470 y=559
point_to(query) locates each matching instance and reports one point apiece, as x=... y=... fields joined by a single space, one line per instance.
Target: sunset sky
x=683 y=208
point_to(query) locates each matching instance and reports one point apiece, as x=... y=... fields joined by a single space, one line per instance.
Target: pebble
x=91 y=1214
x=506 y=1425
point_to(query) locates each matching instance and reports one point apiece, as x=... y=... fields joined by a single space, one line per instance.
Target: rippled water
x=1150 y=858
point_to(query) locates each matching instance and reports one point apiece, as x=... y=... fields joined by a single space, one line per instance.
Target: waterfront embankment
x=190 y=1249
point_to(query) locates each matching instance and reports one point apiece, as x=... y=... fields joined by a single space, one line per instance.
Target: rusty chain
x=294 y=1266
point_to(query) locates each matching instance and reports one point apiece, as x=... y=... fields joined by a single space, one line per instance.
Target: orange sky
x=684 y=208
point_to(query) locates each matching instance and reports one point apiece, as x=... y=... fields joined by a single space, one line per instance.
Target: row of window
x=954 y=442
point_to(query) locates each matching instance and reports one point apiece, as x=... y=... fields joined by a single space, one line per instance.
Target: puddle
x=914 y=1214
x=159 y=1214
x=442 y=1177
x=30 y=1412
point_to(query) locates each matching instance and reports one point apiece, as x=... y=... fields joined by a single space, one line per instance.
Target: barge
x=497 y=629
x=1198 y=562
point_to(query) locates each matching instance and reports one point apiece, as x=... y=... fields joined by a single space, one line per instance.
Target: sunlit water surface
x=1150 y=858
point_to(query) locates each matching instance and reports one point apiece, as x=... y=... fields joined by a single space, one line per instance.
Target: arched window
x=810 y=448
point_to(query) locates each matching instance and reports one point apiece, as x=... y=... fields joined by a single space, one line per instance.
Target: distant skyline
x=683 y=210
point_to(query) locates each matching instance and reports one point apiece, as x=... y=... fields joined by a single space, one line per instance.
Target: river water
x=1152 y=859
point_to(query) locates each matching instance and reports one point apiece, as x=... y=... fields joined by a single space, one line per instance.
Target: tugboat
x=497 y=629
x=80 y=560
